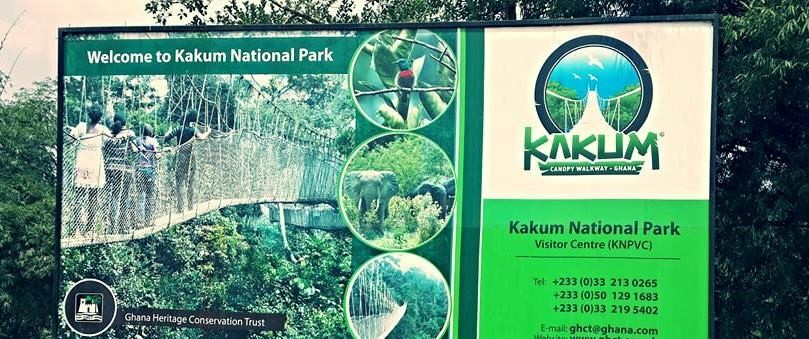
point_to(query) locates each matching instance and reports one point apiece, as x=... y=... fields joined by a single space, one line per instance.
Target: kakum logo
x=592 y=95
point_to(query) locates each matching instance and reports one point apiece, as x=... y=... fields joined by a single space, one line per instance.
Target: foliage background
x=224 y=102
x=232 y=260
x=762 y=197
x=413 y=158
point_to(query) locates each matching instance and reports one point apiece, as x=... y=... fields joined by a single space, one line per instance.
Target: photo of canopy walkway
x=174 y=183
x=398 y=295
x=254 y=152
x=593 y=89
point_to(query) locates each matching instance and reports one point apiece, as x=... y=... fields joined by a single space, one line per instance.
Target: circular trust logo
x=593 y=84
x=89 y=307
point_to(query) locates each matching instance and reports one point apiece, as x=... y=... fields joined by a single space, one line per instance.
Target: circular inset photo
x=397 y=191
x=593 y=85
x=403 y=79
x=397 y=295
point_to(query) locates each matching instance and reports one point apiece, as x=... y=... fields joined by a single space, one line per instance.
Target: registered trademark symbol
x=662 y=134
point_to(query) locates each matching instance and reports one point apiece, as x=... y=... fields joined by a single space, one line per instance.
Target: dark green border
x=459 y=187
x=472 y=164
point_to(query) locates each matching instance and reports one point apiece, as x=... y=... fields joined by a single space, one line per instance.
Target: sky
x=595 y=66
x=36 y=32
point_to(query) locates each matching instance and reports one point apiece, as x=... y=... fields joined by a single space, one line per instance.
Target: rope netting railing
x=611 y=108
x=373 y=310
x=573 y=109
x=225 y=169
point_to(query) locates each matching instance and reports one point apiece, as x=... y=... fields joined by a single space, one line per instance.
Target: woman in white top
x=90 y=177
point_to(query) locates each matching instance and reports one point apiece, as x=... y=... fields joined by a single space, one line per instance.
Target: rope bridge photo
x=374 y=312
x=261 y=156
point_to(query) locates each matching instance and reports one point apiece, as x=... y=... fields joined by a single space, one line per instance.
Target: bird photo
x=405 y=79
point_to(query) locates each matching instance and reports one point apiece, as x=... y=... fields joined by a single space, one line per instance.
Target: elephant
x=369 y=187
x=437 y=192
x=449 y=185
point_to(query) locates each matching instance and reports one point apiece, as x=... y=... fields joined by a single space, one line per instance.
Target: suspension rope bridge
x=373 y=311
x=574 y=108
x=282 y=161
x=612 y=108
x=596 y=114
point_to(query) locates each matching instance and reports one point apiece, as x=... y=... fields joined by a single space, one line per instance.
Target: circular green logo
x=593 y=84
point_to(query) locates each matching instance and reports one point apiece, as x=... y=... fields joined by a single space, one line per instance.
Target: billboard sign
x=537 y=179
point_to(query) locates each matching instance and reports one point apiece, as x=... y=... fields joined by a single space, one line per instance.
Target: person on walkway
x=90 y=177
x=148 y=149
x=118 y=153
x=185 y=164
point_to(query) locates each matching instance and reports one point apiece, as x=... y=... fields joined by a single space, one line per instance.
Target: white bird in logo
x=575 y=76
x=592 y=77
x=593 y=61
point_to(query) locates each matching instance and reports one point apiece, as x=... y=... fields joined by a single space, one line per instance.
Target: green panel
x=472 y=143
x=537 y=285
x=459 y=187
x=310 y=55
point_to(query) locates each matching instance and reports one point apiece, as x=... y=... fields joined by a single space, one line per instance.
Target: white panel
x=679 y=57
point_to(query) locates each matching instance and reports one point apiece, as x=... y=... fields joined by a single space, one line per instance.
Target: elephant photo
x=392 y=202
x=437 y=192
x=449 y=186
x=371 y=187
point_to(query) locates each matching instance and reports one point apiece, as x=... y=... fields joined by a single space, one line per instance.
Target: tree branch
x=11 y=70
x=11 y=27
x=452 y=69
x=4 y=78
x=295 y=12
x=368 y=48
x=403 y=89
x=426 y=45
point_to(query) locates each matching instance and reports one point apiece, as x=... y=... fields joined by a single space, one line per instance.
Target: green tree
x=413 y=159
x=27 y=177
x=557 y=108
x=426 y=299
x=225 y=260
x=628 y=108
x=762 y=201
